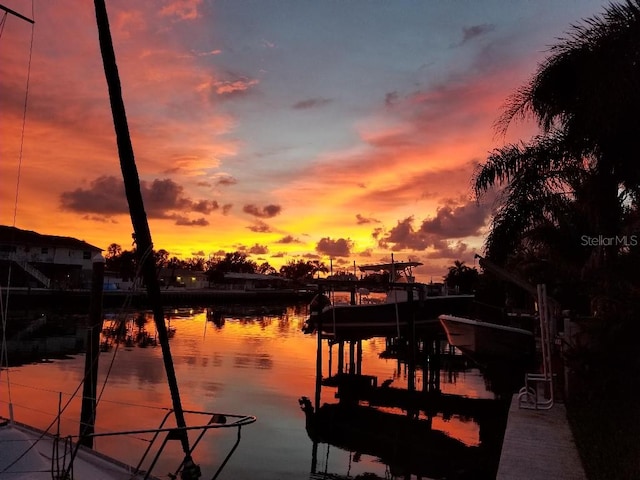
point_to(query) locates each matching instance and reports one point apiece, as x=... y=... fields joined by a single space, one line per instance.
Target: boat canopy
x=388 y=266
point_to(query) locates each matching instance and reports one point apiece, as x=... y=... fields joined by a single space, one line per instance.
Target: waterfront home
x=45 y=261
x=182 y=278
x=252 y=282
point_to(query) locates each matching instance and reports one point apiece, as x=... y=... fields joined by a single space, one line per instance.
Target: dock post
x=90 y=387
x=341 y=356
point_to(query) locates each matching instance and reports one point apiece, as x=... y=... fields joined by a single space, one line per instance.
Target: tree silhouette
x=301 y=270
x=579 y=178
x=461 y=277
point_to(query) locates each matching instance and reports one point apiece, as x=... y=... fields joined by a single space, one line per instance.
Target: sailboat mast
x=142 y=234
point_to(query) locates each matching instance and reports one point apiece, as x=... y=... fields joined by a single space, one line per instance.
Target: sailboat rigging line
x=55 y=421
x=139 y=218
x=4 y=306
x=24 y=112
x=44 y=432
x=115 y=402
x=4 y=357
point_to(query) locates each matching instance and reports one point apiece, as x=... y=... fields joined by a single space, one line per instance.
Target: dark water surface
x=258 y=362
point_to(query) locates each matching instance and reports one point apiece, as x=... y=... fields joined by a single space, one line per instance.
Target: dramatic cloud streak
x=346 y=137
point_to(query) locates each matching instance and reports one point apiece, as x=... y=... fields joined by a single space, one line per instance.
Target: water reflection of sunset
x=467 y=431
x=252 y=364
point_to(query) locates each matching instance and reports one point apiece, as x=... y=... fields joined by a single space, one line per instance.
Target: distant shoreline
x=79 y=299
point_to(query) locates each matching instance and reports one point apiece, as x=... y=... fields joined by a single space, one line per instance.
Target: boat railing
x=164 y=434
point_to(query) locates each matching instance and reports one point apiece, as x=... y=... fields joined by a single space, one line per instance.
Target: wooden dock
x=539 y=445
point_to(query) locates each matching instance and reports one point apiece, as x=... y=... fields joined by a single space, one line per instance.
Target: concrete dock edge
x=539 y=445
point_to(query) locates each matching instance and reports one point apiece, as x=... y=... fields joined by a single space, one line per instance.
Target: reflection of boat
x=485 y=341
x=396 y=440
x=404 y=427
x=406 y=301
x=408 y=445
x=245 y=311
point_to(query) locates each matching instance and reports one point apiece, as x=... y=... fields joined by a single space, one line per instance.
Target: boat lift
x=537 y=392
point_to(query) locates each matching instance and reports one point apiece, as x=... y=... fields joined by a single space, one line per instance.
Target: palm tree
x=301 y=270
x=538 y=182
x=114 y=250
x=589 y=90
x=461 y=277
x=580 y=176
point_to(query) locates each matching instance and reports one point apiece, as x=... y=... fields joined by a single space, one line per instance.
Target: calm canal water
x=258 y=362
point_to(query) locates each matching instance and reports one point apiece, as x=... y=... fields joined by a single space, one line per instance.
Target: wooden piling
x=90 y=388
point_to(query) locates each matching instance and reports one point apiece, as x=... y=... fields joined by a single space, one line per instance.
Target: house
x=252 y=282
x=44 y=261
x=182 y=278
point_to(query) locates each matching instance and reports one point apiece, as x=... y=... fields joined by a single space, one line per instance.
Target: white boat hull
x=487 y=341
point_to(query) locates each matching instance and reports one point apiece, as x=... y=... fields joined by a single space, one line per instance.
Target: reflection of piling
x=318 y=364
x=354 y=362
x=412 y=343
x=431 y=364
x=89 y=392
x=352 y=358
x=314 y=451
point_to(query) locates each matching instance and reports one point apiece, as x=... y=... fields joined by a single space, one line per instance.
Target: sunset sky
x=286 y=129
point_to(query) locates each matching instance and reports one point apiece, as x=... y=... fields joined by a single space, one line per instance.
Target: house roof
x=252 y=276
x=388 y=266
x=16 y=236
x=178 y=272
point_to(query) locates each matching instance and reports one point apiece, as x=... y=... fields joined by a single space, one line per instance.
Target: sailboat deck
x=34 y=450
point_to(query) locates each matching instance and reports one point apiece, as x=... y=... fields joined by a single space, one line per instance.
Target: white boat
x=487 y=341
x=28 y=453
x=406 y=303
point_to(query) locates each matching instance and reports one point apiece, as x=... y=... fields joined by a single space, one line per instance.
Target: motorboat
x=406 y=303
x=485 y=341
